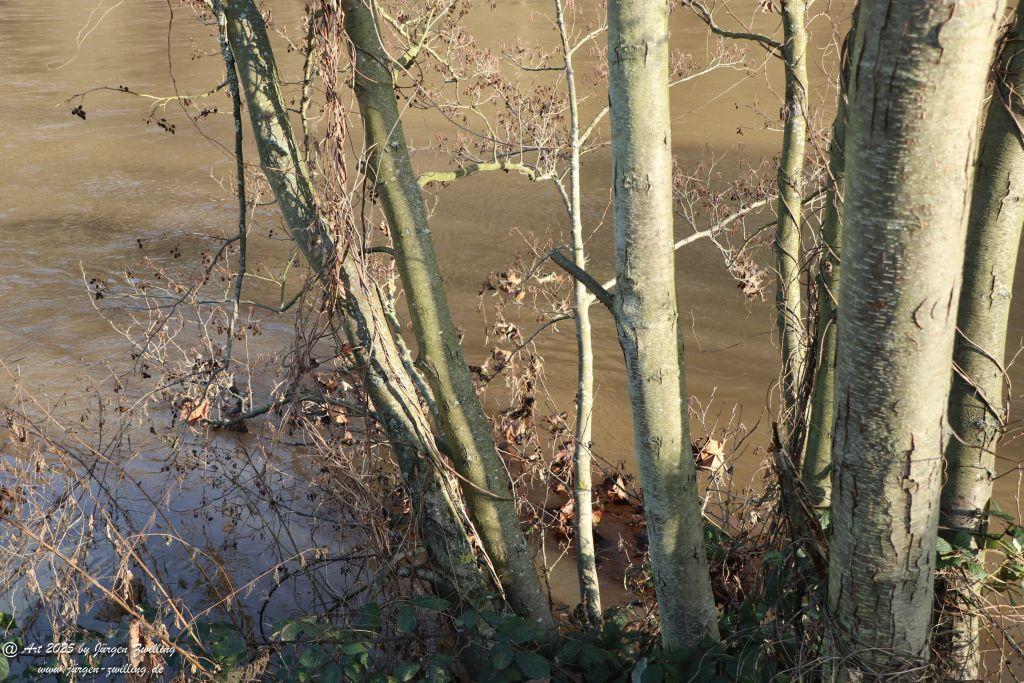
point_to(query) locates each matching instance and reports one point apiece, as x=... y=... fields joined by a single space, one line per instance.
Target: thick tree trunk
x=817 y=461
x=437 y=520
x=646 y=317
x=918 y=74
x=468 y=431
x=788 y=298
x=978 y=408
x=586 y=559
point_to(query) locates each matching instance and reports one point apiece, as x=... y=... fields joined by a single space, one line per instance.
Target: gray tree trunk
x=918 y=74
x=978 y=409
x=788 y=297
x=466 y=428
x=817 y=461
x=586 y=559
x=646 y=317
x=437 y=520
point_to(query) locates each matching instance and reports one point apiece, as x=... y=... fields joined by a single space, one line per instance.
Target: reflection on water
x=80 y=195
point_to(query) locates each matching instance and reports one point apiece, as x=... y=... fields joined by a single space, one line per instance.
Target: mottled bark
x=788 y=297
x=978 y=407
x=817 y=461
x=466 y=428
x=586 y=558
x=647 y=318
x=391 y=390
x=918 y=73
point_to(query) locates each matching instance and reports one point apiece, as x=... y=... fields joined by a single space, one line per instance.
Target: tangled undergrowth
x=166 y=518
x=224 y=504
x=172 y=522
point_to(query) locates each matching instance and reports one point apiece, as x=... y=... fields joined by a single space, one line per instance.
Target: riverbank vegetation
x=304 y=382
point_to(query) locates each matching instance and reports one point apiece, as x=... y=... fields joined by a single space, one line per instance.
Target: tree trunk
x=817 y=461
x=646 y=317
x=918 y=74
x=437 y=520
x=586 y=559
x=978 y=409
x=466 y=428
x=788 y=298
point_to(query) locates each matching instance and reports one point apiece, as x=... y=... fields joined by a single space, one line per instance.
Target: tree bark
x=788 y=298
x=646 y=317
x=817 y=461
x=978 y=408
x=466 y=428
x=586 y=559
x=437 y=520
x=918 y=74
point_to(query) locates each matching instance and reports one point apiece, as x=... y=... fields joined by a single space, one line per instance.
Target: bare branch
x=585 y=278
x=527 y=170
x=704 y=14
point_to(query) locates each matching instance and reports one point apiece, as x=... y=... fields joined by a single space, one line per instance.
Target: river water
x=79 y=195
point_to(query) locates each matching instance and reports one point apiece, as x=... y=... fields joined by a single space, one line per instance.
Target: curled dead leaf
x=193 y=412
x=613 y=489
x=710 y=457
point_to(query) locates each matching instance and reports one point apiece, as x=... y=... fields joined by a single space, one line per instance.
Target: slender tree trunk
x=788 y=302
x=918 y=74
x=817 y=461
x=394 y=398
x=978 y=408
x=586 y=559
x=438 y=522
x=646 y=317
x=466 y=428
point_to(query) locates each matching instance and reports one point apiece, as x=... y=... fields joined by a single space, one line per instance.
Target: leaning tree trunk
x=646 y=317
x=468 y=431
x=817 y=461
x=586 y=558
x=438 y=522
x=977 y=404
x=788 y=303
x=918 y=74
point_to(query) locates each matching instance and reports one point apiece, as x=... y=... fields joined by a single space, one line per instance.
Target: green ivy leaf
x=999 y=513
x=469 y=619
x=353 y=649
x=436 y=675
x=523 y=633
x=963 y=540
x=431 y=602
x=437 y=670
x=312 y=657
x=592 y=656
x=331 y=674
x=570 y=652
x=225 y=644
x=501 y=657
x=532 y=665
x=369 y=616
x=303 y=628
x=977 y=570
x=406 y=672
x=405 y=620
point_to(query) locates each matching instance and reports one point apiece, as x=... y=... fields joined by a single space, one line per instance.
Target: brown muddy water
x=79 y=195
